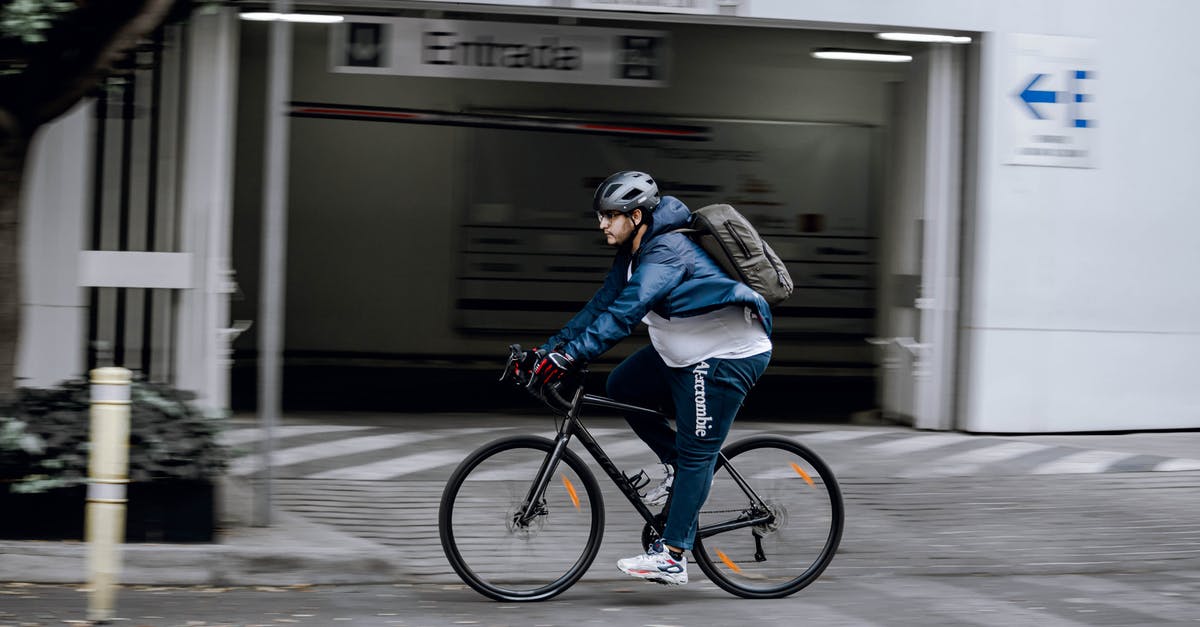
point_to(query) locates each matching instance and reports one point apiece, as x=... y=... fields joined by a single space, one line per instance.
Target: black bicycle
x=522 y=518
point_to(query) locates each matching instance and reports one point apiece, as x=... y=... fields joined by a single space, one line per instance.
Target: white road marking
x=837 y=436
x=1177 y=465
x=349 y=446
x=971 y=461
x=237 y=437
x=392 y=468
x=917 y=443
x=1081 y=462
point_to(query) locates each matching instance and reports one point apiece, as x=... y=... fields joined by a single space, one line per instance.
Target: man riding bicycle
x=710 y=343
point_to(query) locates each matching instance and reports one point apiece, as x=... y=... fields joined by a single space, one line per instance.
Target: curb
x=205 y=564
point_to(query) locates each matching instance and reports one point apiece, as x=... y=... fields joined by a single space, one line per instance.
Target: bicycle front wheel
x=799 y=521
x=505 y=550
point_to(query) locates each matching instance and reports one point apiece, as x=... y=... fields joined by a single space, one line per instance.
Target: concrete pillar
x=203 y=337
x=54 y=213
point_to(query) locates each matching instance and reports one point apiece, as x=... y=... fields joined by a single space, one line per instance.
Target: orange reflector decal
x=800 y=471
x=728 y=562
x=571 y=491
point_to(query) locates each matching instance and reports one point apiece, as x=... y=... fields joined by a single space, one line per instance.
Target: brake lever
x=514 y=358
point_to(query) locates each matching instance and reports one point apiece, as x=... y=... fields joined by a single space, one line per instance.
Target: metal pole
x=108 y=476
x=274 y=234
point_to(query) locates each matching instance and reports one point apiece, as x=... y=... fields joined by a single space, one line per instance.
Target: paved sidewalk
x=356 y=501
x=293 y=550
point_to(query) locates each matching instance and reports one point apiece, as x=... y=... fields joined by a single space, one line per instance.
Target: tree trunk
x=14 y=146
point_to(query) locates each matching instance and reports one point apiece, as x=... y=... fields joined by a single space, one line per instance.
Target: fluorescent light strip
x=861 y=55
x=928 y=38
x=312 y=18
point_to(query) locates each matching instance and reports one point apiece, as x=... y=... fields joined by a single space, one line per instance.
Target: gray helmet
x=626 y=191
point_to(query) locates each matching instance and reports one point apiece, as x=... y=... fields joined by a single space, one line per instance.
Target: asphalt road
x=1100 y=549
x=941 y=529
x=1126 y=599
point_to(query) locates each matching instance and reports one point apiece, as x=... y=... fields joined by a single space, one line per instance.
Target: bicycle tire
x=506 y=561
x=797 y=546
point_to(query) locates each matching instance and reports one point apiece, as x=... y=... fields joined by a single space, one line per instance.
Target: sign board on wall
x=1049 y=99
x=499 y=51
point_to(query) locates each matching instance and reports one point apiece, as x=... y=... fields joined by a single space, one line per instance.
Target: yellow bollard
x=108 y=475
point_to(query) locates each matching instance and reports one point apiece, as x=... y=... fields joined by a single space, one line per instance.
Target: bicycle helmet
x=626 y=191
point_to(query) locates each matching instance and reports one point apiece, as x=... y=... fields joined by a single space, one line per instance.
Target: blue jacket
x=672 y=276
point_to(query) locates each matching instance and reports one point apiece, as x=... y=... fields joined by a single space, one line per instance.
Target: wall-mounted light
x=842 y=54
x=312 y=18
x=927 y=38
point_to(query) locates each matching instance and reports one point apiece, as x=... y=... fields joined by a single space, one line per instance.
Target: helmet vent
x=626 y=191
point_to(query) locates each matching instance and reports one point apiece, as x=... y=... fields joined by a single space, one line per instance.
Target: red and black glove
x=551 y=368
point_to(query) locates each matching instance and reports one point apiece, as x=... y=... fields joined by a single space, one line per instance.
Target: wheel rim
x=508 y=560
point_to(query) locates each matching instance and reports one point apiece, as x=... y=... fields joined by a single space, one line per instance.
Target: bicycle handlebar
x=519 y=369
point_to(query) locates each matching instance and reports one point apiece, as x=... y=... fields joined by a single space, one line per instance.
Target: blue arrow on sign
x=1031 y=95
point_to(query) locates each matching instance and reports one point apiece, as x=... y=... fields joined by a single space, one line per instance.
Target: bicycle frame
x=757 y=514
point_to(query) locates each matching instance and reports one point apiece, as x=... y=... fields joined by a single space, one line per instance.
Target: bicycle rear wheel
x=803 y=507
x=495 y=552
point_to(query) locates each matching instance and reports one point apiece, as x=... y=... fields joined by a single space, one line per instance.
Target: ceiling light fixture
x=839 y=54
x=927 y=38
x=312 y=18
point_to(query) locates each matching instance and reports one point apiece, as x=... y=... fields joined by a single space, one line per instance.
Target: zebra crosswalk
x=376 y=452
x=956 y=503
x=348 y=445
x=393 y=468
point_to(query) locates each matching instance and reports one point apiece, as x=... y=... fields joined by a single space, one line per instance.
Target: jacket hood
x=670 y=214
x=678 y=280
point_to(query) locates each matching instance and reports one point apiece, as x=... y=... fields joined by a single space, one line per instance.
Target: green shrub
x=44 y=437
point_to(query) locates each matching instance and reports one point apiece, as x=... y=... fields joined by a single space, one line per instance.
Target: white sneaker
x=656 y=565
x=658 y=494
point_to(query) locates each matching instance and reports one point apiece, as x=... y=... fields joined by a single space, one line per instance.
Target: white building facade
x=1032 y=212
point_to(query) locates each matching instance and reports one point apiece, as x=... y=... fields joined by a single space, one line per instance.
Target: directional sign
x=1030 y=96
x=1050 y=101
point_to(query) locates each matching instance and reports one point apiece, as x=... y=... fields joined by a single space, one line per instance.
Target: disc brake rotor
x=779 y=518
x=531 y=526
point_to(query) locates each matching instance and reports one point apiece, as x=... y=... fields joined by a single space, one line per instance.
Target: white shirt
x=731 y=332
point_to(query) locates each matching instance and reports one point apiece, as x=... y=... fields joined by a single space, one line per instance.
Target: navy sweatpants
x=704 y=398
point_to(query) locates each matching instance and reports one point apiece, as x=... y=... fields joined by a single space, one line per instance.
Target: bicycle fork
x=534 y=504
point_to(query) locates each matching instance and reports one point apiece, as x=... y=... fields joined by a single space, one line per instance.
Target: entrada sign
x=499 y=51
x=449 y=48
